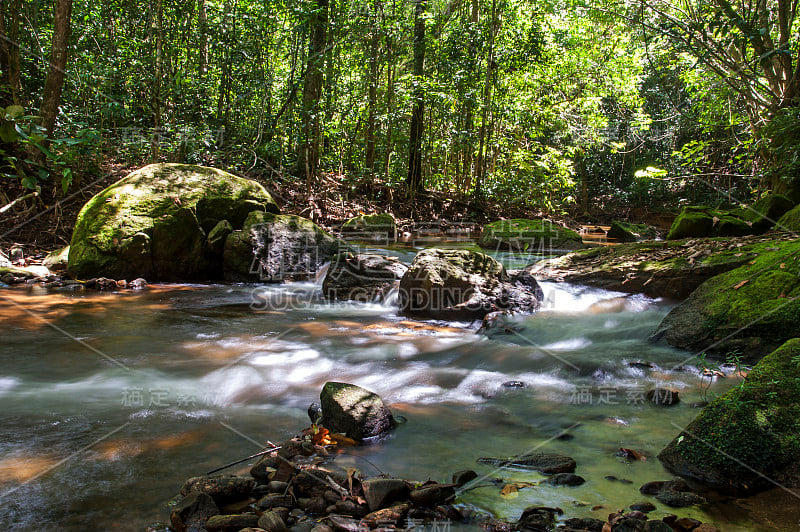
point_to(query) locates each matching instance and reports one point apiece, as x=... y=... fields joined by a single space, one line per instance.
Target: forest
x=555 y=107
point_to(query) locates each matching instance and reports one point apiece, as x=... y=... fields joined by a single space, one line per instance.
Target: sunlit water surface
x=110 y=401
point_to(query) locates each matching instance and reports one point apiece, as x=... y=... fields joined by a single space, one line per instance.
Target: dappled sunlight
x=24 y=468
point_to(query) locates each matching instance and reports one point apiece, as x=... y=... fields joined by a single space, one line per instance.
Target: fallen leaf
x=741 y=284
x=341 y=439
x=783 y=265
x=514 y=487
x=630 y=454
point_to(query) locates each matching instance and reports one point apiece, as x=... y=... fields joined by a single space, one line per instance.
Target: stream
x=110 y=401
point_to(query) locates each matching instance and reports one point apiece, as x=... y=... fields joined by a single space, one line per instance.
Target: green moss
x=790 y=221
x=752 y=427
x=164 y=209
x=371 y=223
x=629 y=232
x=526 y=235
x=763 y=214
x=693 y=221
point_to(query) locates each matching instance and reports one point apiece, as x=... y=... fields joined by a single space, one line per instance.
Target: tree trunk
x=369 y=157
x=202 y=30
x=9 y=53
x=414 y=180
x=480 y=166
x=158 y=22
x=308 y=148
x=51 y=95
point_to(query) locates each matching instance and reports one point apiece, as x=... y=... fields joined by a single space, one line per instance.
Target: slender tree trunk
x=9 y=52
x=414 y=182
x=54 y=84
x=389 y=106
x=158 y=30
x=372 y=98
x=202 y=30
x=480 y=166
x=308 y=148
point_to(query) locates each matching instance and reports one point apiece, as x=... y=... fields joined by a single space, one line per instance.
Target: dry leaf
x=514 y=487
x=630 y=454
x=783 y=265
x=741 y=284
x=341 y=439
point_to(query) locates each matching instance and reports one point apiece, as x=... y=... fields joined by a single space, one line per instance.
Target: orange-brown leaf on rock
x=322 y=437
x=341 y=439
x=630 y=454
x=514 y=487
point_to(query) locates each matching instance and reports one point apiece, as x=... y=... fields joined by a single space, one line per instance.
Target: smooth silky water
x=110 y=401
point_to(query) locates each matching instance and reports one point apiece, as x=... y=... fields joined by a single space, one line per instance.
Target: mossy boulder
x=748 y=439
x=361 y=277
x=751 y=309
x=154 y=222
x=764 y=213
x=355 y=411
x=278 y=247
x=700 y=221
x=57 y=260
x=528 y=235
x=630 y=232
x=381 y=226
x=790 y=221
x=459 y=284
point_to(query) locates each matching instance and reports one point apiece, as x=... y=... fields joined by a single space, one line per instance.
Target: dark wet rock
x=321 y=527
x=767 y=212
x=362 y=277
x=217 y=236
x=316 y=505
x=277 y=487
x=222 y=488
x=303 y=526
x=706 y=527
x=543 y=462
x=630 y=523
x=749 y=434
x=271 y=501
x=513 y=384
x=276 y=248
x=641 y=364
x=231 y=523
x=315 y=413
x=657 y=486
x=158 y=526
x=459 y=284
x=372 y=227
x=654 y=525
x=630 y=232
x=538 y=518
x=351 y=508
x=584 y=524
x=193 y=511
x=533 y=236
x=264 y=471
x=662 y=396
x=137 y=284
x=282 y=512
x=381 y=492
x=612 y=478
x=345 y=524
x=238 y=507
x=566 y=479
x=271 y=522
x=464 y=476
x=432 y=495
x=154 y=223
x=790 y=221
x=386 y=517
x=679 y=499
x=751 y=309
x=357 y=412
x=686 y=524
x=644 y=506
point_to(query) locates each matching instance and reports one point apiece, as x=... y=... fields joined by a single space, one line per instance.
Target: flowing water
x=110 y=401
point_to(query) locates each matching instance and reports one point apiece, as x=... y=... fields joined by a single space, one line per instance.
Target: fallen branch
x=19 y=199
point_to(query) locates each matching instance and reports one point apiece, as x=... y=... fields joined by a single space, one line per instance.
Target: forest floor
x=45 y=223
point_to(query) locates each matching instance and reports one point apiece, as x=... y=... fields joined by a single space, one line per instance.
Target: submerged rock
x=358 y=413
x=453 y=284
x=546 y=463
x=746 y=439
x=193 y=511
x=529 y=235
x=154 y=223
x=275 y=248
x=362 y=277
x=752 y=309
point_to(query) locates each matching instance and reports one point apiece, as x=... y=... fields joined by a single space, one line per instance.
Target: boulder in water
x=354 y=411
x=192 y=512
x=459 y=284
x=533 y=236
x=546 y=463
x=372 y=226
x=630 y=232
x=361 y=277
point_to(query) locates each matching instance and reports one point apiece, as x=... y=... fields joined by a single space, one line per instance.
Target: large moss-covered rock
x=154 y=223
x=459 y=284
x=749 y=438
x=700 y=221
x=630 y=232
x=790 y=221
x=361 y=277
x=764 y=213
x=277 y=247
x=382 y=226
x=529 y=235
x=751 y=309
x=354 y=411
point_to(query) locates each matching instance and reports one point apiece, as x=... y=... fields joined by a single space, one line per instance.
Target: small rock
x=350 y=508
x=345 y=524
x=277 y=487
x=462 y=477
x=237 y=507
x=538 y=518
x=137 y=284
x=388 y=516
x=430 y=496
x=270 y=522
x=706 y=527
x=320 y=527
x=513 y=384
x=585 y=523
x=679 y=499
x=275 y=500
x=381 y=492
x=546 y=463
x=231 y=523
x=222 y=488
x=316 y=506
x=192 y=511
x=662 y=396
x=282 y=512
x=103 y=283
x=566 y=479
x=643 y=506
x=686 y=524
x=653 y=525
x=304 y=526
x=640 y=364
x=656 y=486
x=158 y=526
